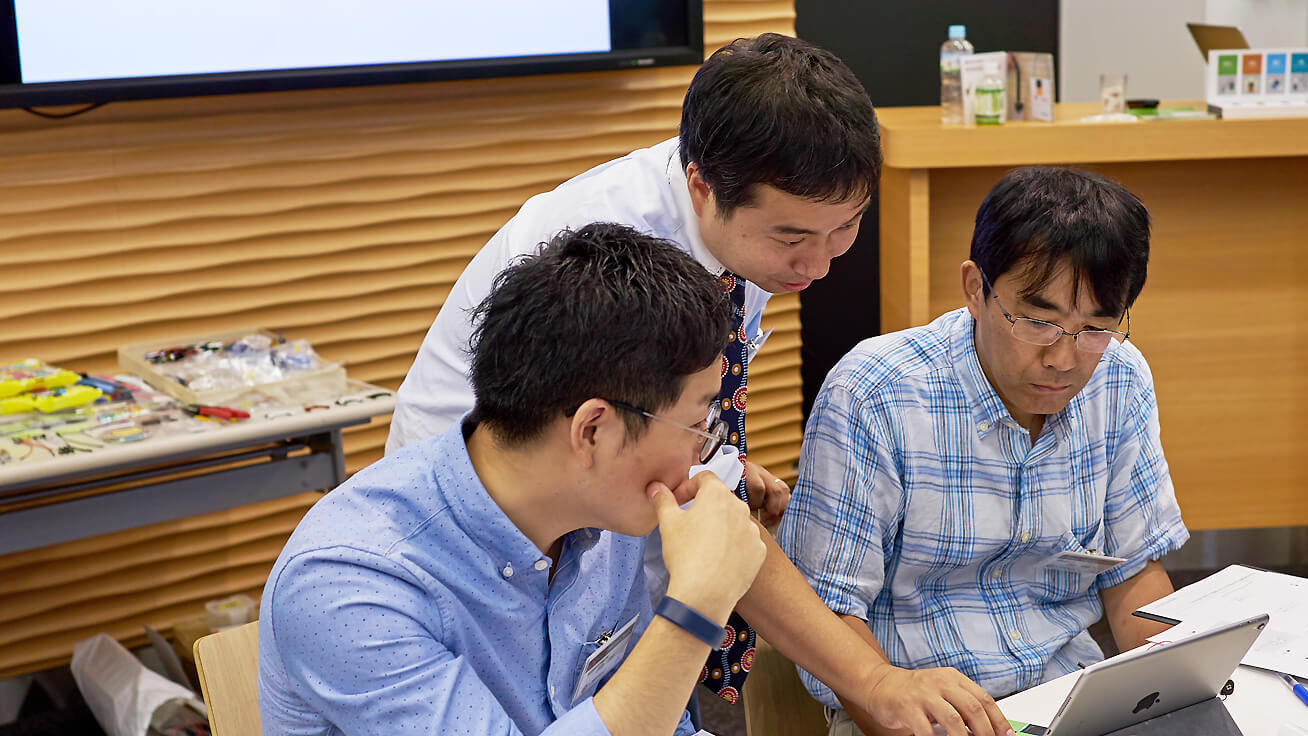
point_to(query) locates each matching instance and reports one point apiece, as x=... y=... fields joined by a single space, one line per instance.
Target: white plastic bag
x=121 y=692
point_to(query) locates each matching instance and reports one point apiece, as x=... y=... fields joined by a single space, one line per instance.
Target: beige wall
x=342 y=216
x=1150 y=43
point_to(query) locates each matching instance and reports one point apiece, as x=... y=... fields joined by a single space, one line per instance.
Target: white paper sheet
x=1240 y=592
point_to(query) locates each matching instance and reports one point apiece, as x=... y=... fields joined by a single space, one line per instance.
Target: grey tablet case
x=1131 y=689
x=1205 y=718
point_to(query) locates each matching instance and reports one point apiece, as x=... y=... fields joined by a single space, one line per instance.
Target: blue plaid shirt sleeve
x=848 y=489
x=1142 y=520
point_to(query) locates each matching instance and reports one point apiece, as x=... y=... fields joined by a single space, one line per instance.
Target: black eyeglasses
x=1040 y=332
x=714 y=437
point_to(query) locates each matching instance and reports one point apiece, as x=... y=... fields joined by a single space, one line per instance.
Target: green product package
x=989 y=105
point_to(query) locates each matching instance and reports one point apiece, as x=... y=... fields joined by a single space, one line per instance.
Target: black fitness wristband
x=694 y=622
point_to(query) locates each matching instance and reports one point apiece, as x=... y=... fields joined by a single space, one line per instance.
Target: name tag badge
x=613 y=648
x=752 y=347
x=1081 y=562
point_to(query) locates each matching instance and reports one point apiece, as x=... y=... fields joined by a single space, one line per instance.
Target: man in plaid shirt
x=961 y=482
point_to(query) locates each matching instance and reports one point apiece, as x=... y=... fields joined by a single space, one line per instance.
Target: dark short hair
x=780 y=111
x=1041 y=219
x=600 y=312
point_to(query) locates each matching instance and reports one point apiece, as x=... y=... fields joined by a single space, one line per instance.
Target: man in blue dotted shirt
x=489 y=579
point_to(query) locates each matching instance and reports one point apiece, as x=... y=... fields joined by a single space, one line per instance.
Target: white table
x=273 y=454
x=1261 y=705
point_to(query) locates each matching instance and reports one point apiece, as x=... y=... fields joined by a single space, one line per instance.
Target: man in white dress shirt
x=777 y=159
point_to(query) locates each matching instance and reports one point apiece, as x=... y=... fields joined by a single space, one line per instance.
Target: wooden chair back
x=228 y=665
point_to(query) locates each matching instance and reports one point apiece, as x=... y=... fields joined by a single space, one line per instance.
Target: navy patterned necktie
x=728 y=665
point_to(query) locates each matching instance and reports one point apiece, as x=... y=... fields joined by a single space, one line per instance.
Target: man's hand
x=914 y=699
x=767 y=493
x=712 y=549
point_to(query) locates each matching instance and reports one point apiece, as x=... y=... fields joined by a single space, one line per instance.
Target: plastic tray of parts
x=218 y=368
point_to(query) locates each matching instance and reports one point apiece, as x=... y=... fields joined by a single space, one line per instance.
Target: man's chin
x=776 y=288
x=637 y=528
x=1050 y=403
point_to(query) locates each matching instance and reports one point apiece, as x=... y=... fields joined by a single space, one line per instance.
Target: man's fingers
x=665 y=504
x=997 y=720
x=973 y=713
x=947 y=698
x=944 y=713
x=685 y=492
x=918 y=723
x=977 y=708
x=984 y=708
x=778 y=498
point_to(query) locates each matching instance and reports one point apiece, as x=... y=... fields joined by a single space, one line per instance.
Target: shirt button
x=1014 y=634
x=996 y=574
x=507 y=571
x=551 y=691
x=983 y=426
x=541 y=564
x=1026 y=536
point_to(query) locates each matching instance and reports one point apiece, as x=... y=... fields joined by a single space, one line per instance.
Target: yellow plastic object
x=17 y=404
x=57 y=400
x=49 y=378
x=68 y=398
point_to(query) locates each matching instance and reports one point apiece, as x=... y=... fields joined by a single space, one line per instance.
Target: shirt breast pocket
x=1057 y=582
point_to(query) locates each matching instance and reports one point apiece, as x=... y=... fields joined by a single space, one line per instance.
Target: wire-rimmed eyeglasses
x=1040 y=332
x=714 y=430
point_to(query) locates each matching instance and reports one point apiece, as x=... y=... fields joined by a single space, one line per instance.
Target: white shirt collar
x=686 y=212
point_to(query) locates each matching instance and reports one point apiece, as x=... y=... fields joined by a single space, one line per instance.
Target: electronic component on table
x=112 y=389
x=217 y=412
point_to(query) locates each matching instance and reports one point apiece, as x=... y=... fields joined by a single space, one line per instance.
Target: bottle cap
x=957 y=32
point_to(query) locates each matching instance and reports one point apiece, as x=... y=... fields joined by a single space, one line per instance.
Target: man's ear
x=973 y=288
x=596 y=428
x=701 y=194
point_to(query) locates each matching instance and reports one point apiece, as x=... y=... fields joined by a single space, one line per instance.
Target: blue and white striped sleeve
x=1142 y=520
x=847 y=496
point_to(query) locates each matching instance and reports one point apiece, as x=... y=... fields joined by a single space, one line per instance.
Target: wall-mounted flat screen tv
x=56 y=52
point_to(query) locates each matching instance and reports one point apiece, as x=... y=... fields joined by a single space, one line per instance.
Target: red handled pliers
x=217 y=412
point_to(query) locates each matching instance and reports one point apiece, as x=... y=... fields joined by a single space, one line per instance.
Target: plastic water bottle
x=951 y=81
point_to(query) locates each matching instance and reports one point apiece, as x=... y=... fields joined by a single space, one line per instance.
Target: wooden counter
x=1223 y=318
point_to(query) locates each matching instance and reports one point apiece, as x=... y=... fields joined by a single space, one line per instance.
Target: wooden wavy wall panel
x=342 y=216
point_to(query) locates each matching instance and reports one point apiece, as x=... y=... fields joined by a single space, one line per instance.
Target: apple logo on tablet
x=1146 y=702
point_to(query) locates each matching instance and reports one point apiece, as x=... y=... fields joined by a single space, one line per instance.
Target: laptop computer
x=1143 y=685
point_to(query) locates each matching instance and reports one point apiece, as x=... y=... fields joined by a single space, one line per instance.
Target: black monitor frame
x=16 y=94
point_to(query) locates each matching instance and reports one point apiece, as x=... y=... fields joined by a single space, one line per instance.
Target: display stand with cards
x=1246 y=83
